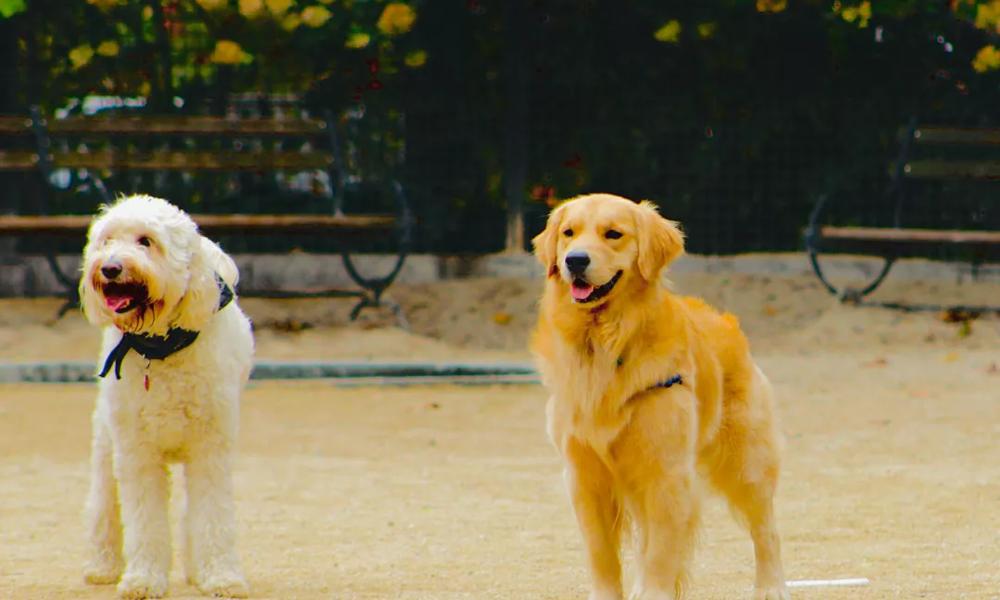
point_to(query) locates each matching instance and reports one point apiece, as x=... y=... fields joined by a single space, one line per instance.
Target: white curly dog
x=176 y=354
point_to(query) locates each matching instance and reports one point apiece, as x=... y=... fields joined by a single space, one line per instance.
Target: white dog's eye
x=568 y=232
x=611 y=234
x=145 y=241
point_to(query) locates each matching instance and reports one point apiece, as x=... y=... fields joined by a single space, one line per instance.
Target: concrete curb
x=340 y=373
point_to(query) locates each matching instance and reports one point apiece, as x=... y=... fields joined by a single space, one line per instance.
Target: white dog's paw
x=102 y=572
x=142 y=585
x=224 y=585
x=775 y=592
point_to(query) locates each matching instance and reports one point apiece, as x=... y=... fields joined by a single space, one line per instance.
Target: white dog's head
x=147 y=269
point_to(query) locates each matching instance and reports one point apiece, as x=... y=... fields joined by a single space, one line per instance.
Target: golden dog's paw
x=142 y=585
x=102 y=573
x=776 y=592
x=224 y=585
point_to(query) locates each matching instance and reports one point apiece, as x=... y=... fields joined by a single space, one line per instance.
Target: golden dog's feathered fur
x=632 y=448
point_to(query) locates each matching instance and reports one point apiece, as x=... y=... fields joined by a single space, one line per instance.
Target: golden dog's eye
x=568 y=232
x=611 y=234
x=145 y=241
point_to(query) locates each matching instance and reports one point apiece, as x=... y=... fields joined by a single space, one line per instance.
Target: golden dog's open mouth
x=584 y=292
x=122 y=297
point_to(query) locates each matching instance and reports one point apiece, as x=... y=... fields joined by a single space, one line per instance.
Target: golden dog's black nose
x=577 y=261
x=111 y=270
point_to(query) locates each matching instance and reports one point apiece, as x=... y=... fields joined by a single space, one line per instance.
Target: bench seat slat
x=228 y=223
x=880 y=234
x=172 y=160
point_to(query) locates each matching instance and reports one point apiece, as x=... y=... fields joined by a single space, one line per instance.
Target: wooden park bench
x=927 y=154
x=94 y=146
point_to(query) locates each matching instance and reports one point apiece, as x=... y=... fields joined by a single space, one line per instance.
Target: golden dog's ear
x=545 y=243
x=660 y=241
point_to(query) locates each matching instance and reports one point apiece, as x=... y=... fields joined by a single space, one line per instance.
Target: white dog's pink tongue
x=117 y=302
x=581 y=292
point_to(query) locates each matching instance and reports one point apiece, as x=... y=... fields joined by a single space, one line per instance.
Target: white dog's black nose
x=577 y=261
x=111 y=270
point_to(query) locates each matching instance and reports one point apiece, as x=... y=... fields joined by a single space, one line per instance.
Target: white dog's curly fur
x=146 y=269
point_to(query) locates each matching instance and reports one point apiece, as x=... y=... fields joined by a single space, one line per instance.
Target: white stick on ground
x=827 y=582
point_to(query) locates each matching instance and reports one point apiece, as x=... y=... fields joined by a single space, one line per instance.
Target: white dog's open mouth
x=122 y=297
x=584 y=292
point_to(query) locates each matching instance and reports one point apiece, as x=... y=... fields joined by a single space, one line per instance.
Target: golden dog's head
x=599 y=245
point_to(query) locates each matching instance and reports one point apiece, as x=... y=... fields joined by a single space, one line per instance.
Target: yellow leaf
x=670 y=32
x=396 y=18
x=988 y=16
x=278 y=7
x=251 y=8
x=80 y=56
x=502 y=318
x=987 y=59
x=211 y=5
x=357 y=40
x=415 y=59
x=706 y=30
x=228 y=52
x=774 y=6
x=104 y=4
x=291 y=22
x=315 y=16
x=108 y=48
x=950 y=357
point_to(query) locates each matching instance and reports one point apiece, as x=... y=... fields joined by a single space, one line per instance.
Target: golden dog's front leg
x=654 y=462
x=591 y=489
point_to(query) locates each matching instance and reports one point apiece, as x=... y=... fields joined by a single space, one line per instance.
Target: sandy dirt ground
x=892 y=470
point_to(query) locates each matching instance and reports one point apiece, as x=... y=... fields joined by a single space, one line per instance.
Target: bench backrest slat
x=960 y=137
x=169 y=160
x=952 y=169
x=145 y=126
x=155 y=125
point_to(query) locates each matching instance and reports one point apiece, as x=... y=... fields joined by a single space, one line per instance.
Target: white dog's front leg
x=211 y=524
x=143 y=488
x=104 y=527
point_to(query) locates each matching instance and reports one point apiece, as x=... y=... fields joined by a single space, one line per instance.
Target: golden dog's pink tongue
x=581 y=292
x=117 y=302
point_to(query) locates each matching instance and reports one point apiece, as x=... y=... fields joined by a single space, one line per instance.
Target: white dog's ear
x=220 y=262
x=546 y=242
x=90 y=299
x=660 y=241
x=201 y=298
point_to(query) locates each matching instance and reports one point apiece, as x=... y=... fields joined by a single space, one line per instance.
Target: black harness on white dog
x=158 y=347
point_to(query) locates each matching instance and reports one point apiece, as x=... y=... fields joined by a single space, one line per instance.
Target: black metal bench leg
x=72 y=291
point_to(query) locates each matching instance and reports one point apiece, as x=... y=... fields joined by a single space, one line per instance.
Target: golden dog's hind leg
x=591 y=488
x=747 y=474
x=654 y=461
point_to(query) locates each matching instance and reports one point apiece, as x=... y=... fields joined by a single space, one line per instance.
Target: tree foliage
x=733 y=114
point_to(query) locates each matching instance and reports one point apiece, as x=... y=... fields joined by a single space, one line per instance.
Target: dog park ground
x=892 y=465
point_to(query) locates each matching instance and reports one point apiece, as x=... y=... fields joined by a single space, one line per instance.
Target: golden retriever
x=651 y=394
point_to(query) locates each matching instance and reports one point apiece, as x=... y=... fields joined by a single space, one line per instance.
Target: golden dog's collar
x=668 y=382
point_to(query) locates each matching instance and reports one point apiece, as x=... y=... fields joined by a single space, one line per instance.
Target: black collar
x=668 y=382
x=158 y=347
